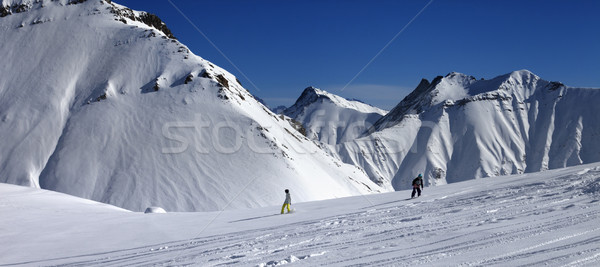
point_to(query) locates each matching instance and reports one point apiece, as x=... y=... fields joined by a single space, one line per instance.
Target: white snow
x=155 y=210
x=549 y=218
x=452 y=88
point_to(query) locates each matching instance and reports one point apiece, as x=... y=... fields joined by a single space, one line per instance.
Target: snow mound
x=154 y=210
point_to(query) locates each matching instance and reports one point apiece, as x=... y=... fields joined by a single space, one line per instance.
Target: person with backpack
x=417 y=185
x=287 y=202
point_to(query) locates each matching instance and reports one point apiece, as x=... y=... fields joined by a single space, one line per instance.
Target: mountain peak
x=457 y=87
x=120 y=13
x=311 y=88
x=325 y=115
x=522 y=77
x=309 y=95
x=312 y=94
x=522 y=73
x=457 y=74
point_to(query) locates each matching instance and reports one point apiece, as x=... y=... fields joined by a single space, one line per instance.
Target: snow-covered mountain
x=458 y=128
x=101 y=102
x=332 y=119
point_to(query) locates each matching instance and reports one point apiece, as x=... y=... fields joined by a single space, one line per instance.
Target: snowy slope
x=332 y=119
x=541 y=219
x=458 y=128
x=99 y=101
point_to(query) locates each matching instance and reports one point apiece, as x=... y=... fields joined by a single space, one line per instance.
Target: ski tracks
x=523 y=224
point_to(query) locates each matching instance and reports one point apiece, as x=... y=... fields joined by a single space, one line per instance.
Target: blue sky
x=281 y=47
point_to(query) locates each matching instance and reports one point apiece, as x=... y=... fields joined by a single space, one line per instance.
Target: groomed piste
x=549 y=218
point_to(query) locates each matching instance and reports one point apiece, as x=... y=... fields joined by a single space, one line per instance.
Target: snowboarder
x=417 y=184
x=287 y=202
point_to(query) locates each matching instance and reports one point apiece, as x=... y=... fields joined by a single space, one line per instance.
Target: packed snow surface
x=549 y=218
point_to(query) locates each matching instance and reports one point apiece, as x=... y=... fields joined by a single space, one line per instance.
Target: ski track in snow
x=526 y=223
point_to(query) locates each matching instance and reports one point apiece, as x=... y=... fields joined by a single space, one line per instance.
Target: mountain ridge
x=458 y=128
x=454 y=88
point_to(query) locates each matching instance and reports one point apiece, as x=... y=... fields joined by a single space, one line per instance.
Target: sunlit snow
x=550 y=218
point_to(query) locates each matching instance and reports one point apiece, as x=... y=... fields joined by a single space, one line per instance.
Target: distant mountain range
x=457 y=128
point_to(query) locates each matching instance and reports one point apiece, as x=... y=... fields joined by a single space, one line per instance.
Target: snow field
x=548 y=218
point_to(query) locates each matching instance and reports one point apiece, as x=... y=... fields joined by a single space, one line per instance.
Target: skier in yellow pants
x=288 y=201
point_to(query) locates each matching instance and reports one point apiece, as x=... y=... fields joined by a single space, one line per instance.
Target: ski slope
x=549 y=218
